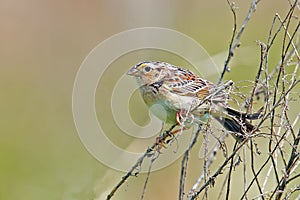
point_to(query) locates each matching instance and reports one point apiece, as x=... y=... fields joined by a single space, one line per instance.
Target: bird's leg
x=179 y=117
x=183 y=116
x=160 y=142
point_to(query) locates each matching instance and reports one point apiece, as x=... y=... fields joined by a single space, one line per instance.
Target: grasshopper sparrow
x=180 y=94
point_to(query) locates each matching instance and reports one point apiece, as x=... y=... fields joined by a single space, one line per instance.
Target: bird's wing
x=186 y=83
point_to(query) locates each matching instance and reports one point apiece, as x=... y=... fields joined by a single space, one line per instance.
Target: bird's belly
x=165 y=106
x=161 y=107
x=164 y=111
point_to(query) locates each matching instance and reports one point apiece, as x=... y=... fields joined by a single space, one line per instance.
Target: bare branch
x=139 y=162
x=184 y=163
x=235 y=39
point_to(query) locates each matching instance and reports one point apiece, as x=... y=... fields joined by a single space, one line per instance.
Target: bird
x=185 y=98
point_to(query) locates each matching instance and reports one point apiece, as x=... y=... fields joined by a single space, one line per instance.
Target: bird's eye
x=147 y=69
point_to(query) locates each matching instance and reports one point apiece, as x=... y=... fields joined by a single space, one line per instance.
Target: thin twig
x=148 y=175
x=262 y=167
x=230 y=51
x=207 y=165
x=236 y=36
x=217 y=91
x=293 y=158
x=184 y=163
x=245 y=171
x=211 y=180
x=139 y=162
x=229 y=173
x=254 y=172
x=257 y=78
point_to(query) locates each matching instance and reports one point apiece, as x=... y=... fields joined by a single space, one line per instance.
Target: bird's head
x=148 y=72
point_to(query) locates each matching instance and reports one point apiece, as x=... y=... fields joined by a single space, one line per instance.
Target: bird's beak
x=132 y=72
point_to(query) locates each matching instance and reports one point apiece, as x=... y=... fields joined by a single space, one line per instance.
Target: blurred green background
x=43 y=43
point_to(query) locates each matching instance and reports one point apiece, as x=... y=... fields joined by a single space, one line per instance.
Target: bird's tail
x=236 y=122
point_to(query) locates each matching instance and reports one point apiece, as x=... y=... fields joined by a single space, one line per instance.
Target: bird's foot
x=183 y=117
